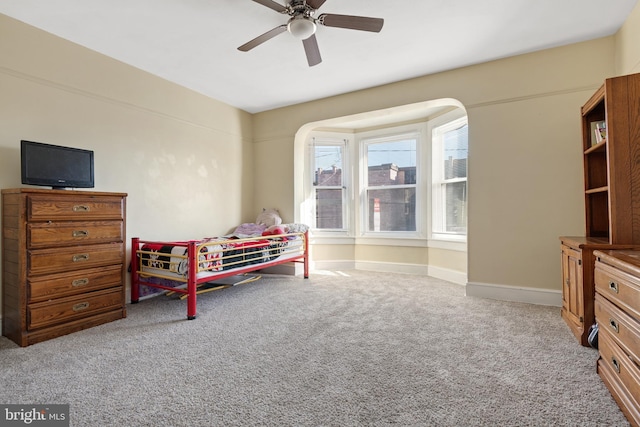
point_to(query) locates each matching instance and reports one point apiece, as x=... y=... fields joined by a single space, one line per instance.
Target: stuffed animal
x=269 y=217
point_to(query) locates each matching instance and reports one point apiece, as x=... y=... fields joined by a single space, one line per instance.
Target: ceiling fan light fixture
x=301 y=27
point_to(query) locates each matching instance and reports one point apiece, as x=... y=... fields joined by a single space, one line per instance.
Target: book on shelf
x=598 y=132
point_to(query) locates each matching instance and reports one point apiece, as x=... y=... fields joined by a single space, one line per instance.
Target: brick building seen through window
x=396 y=206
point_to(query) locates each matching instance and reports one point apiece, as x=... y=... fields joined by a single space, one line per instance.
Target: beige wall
x=185 y=160
x=628 y=44
x=525 y=171
x=525 y=161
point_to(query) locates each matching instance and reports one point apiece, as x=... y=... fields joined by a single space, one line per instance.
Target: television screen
x=56 y=166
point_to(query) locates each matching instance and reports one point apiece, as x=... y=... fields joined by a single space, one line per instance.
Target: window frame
x=441 y=125
x=393 y=134
x=329 y=139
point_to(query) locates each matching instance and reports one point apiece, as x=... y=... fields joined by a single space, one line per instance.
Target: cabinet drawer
x=624 y=370
x=67 y=309
x=618 y=287
x=623 y=329
x=42 y=261
x=67 y=284
x=45 y=208
x=49 y=234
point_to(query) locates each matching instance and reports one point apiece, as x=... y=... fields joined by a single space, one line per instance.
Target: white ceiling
x=194 y=42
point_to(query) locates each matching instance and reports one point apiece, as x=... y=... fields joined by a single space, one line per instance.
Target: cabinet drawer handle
x=80 y=233
x=613 y=286
x=84 y=305
x=81 y=208
x=615 y=363
x=614 y=325
x=80 y=282
x=80 y=257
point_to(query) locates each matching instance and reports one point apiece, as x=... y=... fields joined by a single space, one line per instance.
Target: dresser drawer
x=623 y=369
x=71 y=308
x=624 y=330
x=50 y=234
x=45 y=208
x=67 y=284
x=618 y=287
x=43 y=261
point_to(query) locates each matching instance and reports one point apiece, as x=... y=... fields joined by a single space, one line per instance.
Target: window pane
x=392 y=209
x=391 y=163
x=456 y=152
x=329 y=208
x=456 y=198
x=328 y=165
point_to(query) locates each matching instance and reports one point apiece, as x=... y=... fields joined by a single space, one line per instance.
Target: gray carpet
x=344 y=349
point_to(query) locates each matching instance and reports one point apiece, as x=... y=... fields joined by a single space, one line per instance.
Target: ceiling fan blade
x=263 y=38
x=350 y=22
x=312 y=50
x=316 y=4
x=272 y=5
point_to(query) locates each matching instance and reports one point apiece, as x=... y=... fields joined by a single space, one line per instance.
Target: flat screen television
x=56 y=166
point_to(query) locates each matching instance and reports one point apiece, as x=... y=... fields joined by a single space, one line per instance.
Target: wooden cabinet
x=572 y=295
x=617 y=307
x=578 y=290
x=63 y=262
x=611 y=192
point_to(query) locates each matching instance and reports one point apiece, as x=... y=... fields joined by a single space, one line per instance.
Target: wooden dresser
x=617 y=308
x=63 y=262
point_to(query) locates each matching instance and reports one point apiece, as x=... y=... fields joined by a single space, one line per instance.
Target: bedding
x=182 y=266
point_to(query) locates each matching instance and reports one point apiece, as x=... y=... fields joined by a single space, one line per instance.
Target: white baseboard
x=437 y=272
x=289 y=269
x=452 y=276
x=514 y=293
x=480 y=290
x=332 y=265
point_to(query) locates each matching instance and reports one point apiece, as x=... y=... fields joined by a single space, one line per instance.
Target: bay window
x=400 y=182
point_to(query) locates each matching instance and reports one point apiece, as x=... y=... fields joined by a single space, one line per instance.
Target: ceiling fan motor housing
x=301 y=27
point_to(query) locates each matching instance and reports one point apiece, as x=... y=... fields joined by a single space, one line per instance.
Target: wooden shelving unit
x=611 y=194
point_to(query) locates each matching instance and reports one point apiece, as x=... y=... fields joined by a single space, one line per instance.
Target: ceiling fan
x=303 y=25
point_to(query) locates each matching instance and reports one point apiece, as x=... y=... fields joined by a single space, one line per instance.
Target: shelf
x=601 y=146
x=597 y=190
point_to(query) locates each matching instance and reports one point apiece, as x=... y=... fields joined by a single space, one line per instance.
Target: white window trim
x=330 y=138
x=417 y=131
x=443 y=240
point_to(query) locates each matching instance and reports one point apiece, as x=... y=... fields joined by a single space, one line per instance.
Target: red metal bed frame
x=192 y=279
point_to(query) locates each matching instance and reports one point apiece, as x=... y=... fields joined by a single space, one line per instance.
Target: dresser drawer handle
x=80 y=282
x=80 y=257
x=81 y=208
x=615 y=363
x=84 y=305
x=614 y=325
x=613 y=286
x=80 y=233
